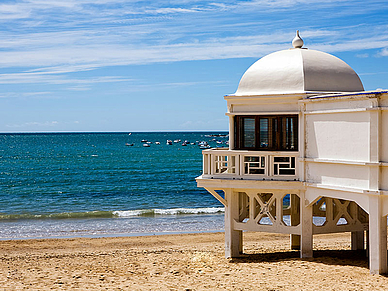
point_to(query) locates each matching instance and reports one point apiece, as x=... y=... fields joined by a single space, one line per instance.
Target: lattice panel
x=254 y=165
x=334 y=215
x=284 y=166
x=225 y=164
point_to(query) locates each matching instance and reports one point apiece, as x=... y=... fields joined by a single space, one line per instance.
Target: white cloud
x=81 y=35
x=49 y=78
x=34 y=124
x=43 y=94
x=384 y=52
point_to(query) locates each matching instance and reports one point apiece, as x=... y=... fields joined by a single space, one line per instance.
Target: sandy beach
x=183 y=262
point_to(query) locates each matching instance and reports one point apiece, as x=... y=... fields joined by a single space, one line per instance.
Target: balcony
x=222 y=163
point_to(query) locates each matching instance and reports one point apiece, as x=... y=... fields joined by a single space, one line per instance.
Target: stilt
x=377 y=237
x=295 y=220
x=295 y=241
x=306 y=248
x=357 y=240
x=367 y=243
x=233 y=238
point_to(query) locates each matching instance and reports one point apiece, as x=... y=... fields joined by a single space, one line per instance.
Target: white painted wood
x=233 y=242
x=377 y=237
x=306 y=247
x=231 y=132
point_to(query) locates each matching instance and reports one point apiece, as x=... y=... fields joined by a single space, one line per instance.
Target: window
x=270 y=132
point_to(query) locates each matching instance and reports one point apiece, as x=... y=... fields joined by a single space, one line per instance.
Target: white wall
x=339 y=175
x=338 y=136
x=384 y=137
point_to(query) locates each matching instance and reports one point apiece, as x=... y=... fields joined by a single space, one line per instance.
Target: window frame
x=277 y=133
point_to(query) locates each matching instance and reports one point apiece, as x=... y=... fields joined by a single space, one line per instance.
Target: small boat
x=184 y=144
x=129 y=133
x=146 y=145
x=149 y=142
x=157 y=142
x=129 y=144
x=144 y=140
x=169 y=142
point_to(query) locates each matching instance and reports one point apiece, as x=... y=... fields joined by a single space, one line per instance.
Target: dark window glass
x=249 y=133
x=264 y=133
x=267 y=132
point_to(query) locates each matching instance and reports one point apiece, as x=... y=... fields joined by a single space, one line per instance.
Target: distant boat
x=129 y=133
x=157 y=142
x=184 y=144
x=149 y=142
x=144 y=140
x=129 y=144
x=169 y=142
x=146 y=145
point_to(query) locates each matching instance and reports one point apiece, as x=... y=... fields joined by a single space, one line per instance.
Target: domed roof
x=298 y=70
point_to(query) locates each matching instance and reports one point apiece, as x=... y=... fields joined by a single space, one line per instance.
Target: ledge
x=248 y=184
x=329 y=161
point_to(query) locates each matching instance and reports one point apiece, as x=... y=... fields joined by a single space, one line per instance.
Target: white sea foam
x=173 y=211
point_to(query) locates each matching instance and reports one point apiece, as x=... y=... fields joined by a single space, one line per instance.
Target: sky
x=128 y=65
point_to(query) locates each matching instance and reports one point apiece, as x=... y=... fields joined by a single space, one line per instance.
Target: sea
x=55 y=185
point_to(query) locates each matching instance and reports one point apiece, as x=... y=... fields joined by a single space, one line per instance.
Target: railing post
x=269 y=165
x=204 y=163
x=211 y=163
x=237 y=164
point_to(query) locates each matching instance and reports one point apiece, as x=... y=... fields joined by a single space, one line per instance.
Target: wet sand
x=183 y=262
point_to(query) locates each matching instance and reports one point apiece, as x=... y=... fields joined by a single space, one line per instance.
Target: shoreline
x=184 y=262
x=113 y=235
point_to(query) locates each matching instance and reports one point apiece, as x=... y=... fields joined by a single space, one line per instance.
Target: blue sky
x=127 y=65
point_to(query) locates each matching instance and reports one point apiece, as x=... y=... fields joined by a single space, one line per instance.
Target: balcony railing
x=256 y=165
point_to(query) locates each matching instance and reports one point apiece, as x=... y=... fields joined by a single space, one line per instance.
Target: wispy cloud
x=84 y=35
x=49 y=78
x=43 y=94
x=384 y=52
x=34 y=124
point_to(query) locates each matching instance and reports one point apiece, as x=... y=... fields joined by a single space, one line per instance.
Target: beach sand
x=183 y=262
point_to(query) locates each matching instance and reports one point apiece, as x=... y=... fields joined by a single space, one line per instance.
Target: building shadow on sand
x=327 y=257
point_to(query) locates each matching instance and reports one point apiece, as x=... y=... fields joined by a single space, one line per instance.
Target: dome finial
x=297 y=42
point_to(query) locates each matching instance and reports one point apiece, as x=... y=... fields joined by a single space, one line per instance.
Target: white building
x=304 y=133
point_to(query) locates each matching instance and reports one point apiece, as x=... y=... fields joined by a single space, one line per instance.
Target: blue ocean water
x=98 y=184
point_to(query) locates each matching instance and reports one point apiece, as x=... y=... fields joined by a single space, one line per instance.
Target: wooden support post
x=306 y=248
x=233 y=238
x=295 y=220
x=357 y=240
x=295 y=241
x=377 y=237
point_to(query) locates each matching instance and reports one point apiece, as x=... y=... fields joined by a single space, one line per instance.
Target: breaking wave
x=116 y=214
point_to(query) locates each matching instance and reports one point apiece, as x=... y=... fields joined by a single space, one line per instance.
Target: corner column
x=306 y=238
x=233 y=238
x=377 y=237
x=231 y=132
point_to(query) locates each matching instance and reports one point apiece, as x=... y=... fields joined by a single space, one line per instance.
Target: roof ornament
x=297 y=42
